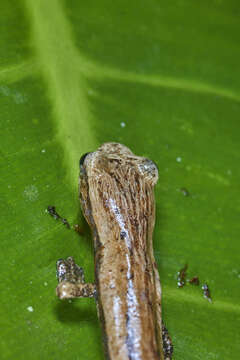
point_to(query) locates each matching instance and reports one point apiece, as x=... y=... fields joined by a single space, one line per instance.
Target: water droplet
x=31 y=193
x=19 y=98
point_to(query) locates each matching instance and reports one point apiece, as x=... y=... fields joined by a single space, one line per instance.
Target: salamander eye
x=149 y=170
x=83 y=157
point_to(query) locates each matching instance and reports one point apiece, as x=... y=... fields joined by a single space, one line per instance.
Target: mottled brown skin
x=116 y=193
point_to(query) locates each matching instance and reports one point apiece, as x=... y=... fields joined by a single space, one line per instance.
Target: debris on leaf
x=181 y=276
x=52 y=211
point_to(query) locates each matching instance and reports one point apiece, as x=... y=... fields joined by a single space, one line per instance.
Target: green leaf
x=163 y=78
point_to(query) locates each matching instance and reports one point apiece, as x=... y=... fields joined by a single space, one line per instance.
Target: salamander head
x=112 y=156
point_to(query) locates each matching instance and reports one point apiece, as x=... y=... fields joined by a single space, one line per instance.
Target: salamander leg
x=71 y=283
x=167 y=344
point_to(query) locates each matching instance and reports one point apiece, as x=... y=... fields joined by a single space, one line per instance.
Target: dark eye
x=149 y=170
x=81 y=161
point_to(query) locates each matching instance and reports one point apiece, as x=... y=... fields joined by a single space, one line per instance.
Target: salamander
x=116 y=190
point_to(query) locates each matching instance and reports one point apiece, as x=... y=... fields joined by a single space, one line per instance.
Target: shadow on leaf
x=73 y=313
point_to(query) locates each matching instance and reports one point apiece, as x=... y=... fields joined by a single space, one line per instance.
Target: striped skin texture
x=116 y=194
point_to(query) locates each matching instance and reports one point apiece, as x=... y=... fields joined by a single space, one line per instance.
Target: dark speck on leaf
x=184 y=191
x=78 y=229
x=52 y=211
x=181 y=276
x=194 y=280
x=206 y=292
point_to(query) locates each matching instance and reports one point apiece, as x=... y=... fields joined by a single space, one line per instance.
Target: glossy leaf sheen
x=163 y=78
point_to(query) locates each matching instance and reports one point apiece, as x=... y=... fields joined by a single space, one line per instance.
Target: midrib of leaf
x=63 y=67
x=60 y=64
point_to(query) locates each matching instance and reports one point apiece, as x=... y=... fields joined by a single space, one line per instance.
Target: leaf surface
x=161 y=77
